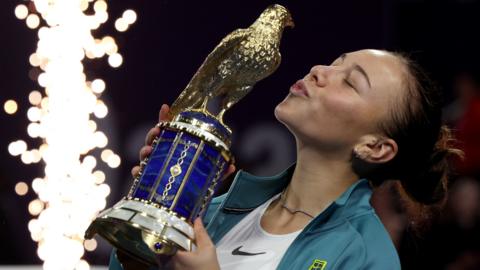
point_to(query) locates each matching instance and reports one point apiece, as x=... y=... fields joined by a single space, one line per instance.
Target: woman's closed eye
x=348 y=83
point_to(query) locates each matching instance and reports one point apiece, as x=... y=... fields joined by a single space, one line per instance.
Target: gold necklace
x=292 y=211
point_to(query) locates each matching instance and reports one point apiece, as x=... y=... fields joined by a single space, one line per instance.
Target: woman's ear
x=375 y=149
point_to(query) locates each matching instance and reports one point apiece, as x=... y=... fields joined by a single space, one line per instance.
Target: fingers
x=163 y=114
x=205 y=257
x=135 y=171
x=145 y=152
x=231 y=169
x=202 y=238
x=152 y=133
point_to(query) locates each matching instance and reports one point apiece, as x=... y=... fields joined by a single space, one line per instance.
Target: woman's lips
x=299 y=88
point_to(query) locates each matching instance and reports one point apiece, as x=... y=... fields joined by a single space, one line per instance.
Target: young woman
x=368 y=117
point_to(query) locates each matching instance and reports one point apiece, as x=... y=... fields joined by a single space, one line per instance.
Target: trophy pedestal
x=143 y=228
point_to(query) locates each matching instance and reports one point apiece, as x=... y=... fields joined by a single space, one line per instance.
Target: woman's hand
x=203 y=258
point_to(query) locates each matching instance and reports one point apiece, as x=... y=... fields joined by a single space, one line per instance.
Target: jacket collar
x=249 y=191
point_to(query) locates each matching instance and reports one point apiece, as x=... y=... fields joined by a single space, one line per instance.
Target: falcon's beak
x=289 y=21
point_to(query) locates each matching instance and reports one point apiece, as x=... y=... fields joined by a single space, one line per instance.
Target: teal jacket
x=346 y=235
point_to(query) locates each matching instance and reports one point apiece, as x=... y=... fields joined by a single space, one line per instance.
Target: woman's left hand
x=203 y=258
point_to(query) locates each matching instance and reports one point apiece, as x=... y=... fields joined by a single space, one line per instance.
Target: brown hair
x=424 y=145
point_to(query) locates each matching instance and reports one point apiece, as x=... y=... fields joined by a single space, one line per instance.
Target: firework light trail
x=72 y=190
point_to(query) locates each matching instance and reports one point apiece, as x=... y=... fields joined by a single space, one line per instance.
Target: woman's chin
x=282 y=112
x=278 y=111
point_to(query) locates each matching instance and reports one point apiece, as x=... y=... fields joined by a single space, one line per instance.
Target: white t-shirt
x=248 y=246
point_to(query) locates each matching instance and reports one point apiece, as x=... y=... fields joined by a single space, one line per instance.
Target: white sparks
x=72 y=191
x=10 y=106
x=115 y=60
x=21 y=12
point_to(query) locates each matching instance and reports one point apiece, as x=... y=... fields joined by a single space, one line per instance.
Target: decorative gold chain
x=176 y=170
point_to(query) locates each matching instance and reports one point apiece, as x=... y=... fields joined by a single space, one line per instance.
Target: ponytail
x=429 y=184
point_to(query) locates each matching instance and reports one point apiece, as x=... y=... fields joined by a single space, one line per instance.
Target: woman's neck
x=318 y=180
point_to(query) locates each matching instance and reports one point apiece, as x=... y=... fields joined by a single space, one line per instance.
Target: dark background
x=169 y=41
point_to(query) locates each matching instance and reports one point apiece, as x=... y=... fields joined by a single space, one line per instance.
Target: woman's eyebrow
x=362 y=71
x=358 y=68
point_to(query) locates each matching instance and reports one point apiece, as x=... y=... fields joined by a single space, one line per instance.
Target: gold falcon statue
x=243 y=57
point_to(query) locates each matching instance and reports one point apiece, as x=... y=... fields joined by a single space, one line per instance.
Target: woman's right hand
x=154 y=132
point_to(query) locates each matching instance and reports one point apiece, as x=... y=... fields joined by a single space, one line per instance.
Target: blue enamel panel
x=201 y=212
x=156 y=160
x=195 y=187
x=211 y=152
x=193 y=192
x=168 y=134
x=199 y=200
x=191 y=199
x=141 y=194
x=153 y=167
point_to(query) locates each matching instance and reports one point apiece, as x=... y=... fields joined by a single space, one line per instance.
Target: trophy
x=191 y=154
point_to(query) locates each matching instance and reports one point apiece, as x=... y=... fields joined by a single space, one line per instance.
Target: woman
x=368 y=117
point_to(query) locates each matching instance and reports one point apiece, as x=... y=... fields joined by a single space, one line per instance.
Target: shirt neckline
x=259 y=216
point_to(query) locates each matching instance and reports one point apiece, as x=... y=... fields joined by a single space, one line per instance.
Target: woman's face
x=334 y=106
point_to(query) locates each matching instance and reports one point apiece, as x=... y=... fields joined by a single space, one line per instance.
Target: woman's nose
x=319 y=74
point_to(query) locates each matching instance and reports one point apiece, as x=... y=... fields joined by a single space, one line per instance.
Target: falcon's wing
x=206 y=71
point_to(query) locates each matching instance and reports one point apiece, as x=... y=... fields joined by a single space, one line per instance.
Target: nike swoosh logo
x=243 y=253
